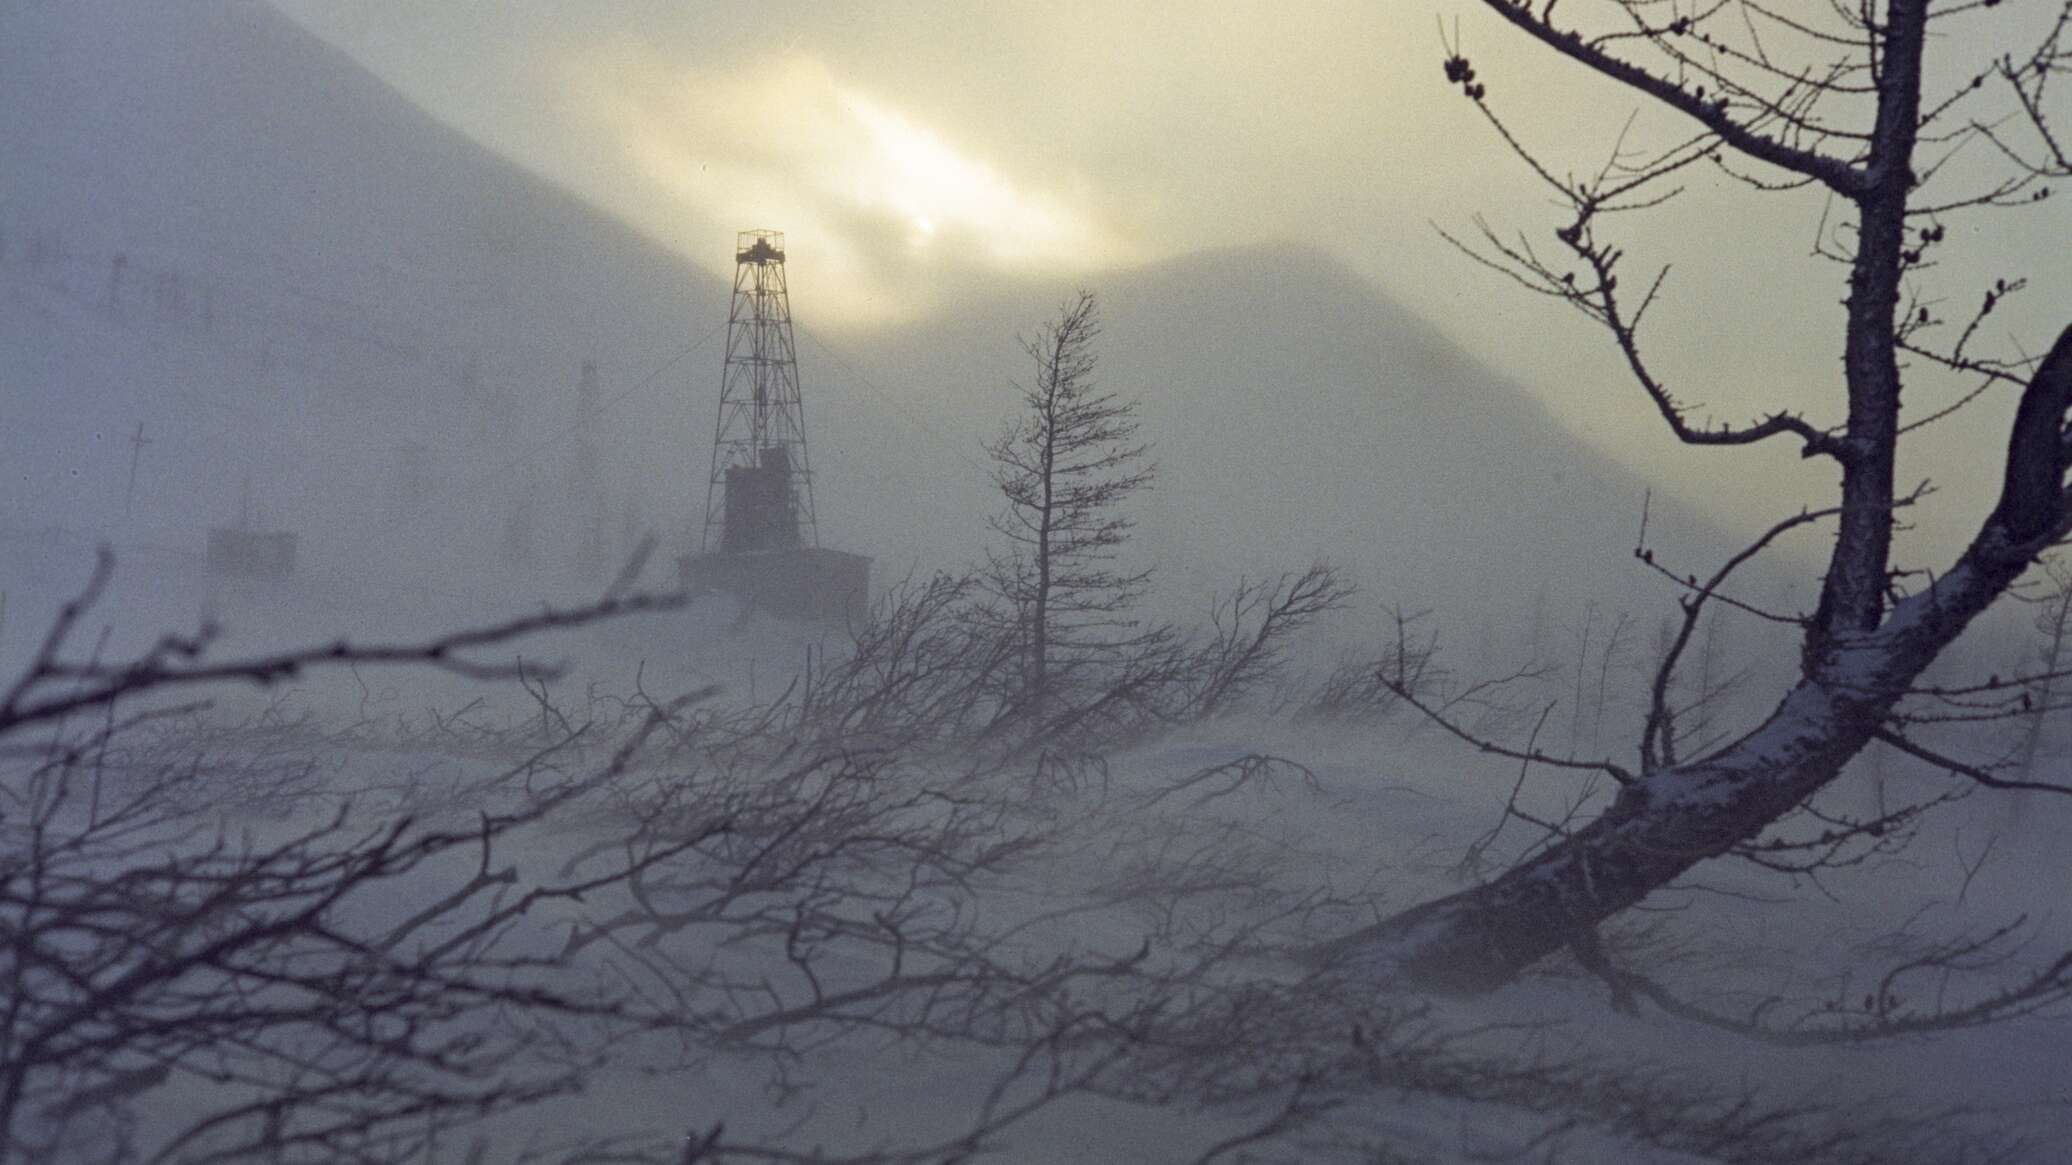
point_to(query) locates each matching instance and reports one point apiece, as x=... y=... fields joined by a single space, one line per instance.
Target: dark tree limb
x=52 y=688
x=1835 y=173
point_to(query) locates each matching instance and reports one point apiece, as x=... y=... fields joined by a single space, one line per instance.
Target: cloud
x=871 y=191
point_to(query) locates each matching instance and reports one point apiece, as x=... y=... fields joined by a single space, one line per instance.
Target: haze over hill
x=905 y=145
x=1297 y=413
x=222 y=229
x=219 y=227
x=827 y=894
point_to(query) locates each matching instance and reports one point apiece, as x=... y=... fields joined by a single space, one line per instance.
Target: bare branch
x=1838 y=175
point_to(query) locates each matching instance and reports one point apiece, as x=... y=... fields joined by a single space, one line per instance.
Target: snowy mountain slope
x=219 y=228
x=314 y=276
x=1296 y=412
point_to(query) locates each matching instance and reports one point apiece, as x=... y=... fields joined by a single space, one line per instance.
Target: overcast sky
x=907 y=147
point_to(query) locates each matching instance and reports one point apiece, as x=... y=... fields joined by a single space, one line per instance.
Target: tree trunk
x=1860 y=658
x=1039 y=631
x=1669 y=820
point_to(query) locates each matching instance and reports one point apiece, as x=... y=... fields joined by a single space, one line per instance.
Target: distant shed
x=247 y=553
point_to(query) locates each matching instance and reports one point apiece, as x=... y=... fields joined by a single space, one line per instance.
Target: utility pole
x=137 y=442
x=586 y=488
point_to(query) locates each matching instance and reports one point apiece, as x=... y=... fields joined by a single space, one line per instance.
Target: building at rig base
x=761 y=538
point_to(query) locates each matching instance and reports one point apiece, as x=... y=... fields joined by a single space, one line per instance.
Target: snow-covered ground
x=1204 y=879
x=224 y=239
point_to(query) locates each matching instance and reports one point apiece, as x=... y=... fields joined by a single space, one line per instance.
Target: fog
x=441 y=290
x=1035 y=142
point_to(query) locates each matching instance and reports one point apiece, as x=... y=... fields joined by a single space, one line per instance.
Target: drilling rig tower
x=761 y=538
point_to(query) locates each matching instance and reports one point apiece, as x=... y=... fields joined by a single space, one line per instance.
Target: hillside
x=218 y=227
x=221 y=229
x=312 y=306
x=1296 y=412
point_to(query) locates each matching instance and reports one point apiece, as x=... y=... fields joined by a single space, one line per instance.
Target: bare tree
x=1250 y=629
x=738 y=890
x=1369 y=686
x=1065 y=466
x=2043 y=700
x=1608 y=659
x=365 y=971
x=320 y=989
x=1833 y=102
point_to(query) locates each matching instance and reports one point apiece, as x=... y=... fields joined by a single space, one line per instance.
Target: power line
x=622 y=395
x=911 y=417
x=503 y=467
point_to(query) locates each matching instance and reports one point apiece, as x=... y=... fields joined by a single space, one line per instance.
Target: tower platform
x=799 y=582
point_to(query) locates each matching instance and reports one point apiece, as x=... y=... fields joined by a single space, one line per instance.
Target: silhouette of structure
x=246 y=549
x=761 y=539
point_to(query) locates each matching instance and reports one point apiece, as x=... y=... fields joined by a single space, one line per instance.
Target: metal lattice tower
x=760 y=493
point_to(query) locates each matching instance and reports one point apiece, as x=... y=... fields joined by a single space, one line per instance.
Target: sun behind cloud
x=871 y=191
x=913 y=172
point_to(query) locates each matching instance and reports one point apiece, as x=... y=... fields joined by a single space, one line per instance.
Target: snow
x=218 y=228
